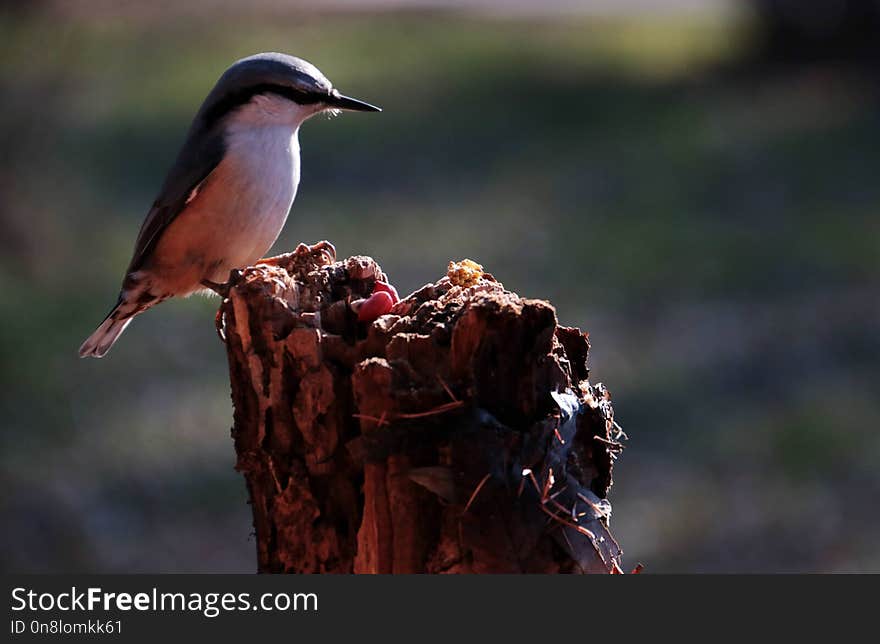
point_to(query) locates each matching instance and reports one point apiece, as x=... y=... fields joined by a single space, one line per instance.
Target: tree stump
x=457 y=434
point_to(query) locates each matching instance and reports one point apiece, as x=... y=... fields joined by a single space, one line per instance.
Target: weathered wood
x=458 y=434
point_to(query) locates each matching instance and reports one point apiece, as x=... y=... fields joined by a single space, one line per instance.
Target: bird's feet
x=324 y=248
x=222 y=289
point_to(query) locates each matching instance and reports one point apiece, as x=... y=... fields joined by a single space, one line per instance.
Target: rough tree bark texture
x=459 y=434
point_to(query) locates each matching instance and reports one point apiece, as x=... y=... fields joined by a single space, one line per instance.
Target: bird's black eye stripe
x=235 y=99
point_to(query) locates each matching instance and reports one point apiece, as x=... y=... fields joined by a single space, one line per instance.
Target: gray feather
x=201 y=153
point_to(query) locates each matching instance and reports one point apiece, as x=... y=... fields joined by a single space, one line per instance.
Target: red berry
x=375 y=306
x=387 y=288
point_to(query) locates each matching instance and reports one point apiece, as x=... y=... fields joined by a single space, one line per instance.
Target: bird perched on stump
x=227 y=196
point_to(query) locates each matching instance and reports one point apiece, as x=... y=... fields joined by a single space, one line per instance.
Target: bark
x=458 y=434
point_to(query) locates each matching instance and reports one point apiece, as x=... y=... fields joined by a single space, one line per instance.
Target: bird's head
x=275 y=87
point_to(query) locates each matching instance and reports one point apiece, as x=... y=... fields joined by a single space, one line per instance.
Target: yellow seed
x=464 y=273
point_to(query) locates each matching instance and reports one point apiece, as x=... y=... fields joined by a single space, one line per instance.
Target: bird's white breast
x=261 y=172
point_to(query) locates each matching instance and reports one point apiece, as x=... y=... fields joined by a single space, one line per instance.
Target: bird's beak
x=341 y=102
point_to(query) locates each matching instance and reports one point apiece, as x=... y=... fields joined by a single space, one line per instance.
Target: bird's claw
x=222 y=289
x=324 y=247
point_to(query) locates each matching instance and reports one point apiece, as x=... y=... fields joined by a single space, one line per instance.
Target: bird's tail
x=99 y=343
x=134 y=299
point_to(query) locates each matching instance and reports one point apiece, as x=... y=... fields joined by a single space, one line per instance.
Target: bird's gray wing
x=201 y=153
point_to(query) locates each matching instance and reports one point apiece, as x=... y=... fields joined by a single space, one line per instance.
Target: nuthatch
x=226 y=198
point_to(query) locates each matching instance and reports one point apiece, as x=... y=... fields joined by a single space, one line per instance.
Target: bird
x=227 y=196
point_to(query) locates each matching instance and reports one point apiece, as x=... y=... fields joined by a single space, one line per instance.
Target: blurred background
x=694 y=182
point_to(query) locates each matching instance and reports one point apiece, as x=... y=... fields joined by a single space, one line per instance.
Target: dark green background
x=711 y=221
